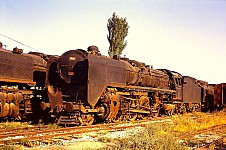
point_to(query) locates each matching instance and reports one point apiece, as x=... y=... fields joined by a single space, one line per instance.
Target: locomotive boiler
x=84 y=87
x=22 y=78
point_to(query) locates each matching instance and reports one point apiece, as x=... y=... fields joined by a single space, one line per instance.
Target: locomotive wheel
x=118 y=117
x=155 y=111
x=131 y=116
x=144 y=104
x=143 y=116
x=86 y=119
x=183 y=109
x=169 y=112
x=104 y=111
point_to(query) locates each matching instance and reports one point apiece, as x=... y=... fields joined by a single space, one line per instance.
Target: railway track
x=39 y=134
x=43 y=134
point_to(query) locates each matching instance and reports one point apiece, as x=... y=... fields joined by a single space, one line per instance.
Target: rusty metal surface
x=103 y=71
x=205 y=90
x=175 y=83
x=67 y=75
x=29 y=82
x=74 y=66
x=51 y=71
x=139 y=74
x=39 y=64
x=191 y=90
x=18 y=72
x=158 y=79
x=19 y=68
x=84 y=84
x=15 y=66
x=73 y=71
x=71 y=66
x=52 y=79
x=220 y=94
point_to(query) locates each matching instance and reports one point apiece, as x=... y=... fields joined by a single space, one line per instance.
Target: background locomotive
x=22 y=79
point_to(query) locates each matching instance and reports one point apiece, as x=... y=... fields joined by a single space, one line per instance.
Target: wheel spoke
x=86 y=119
x=118 y=117
x=131 y=116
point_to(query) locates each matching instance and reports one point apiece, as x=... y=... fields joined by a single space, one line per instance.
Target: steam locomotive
x=85 y=87
x=22 y=79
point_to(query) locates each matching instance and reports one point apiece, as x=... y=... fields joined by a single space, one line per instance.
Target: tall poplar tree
x=117 y=31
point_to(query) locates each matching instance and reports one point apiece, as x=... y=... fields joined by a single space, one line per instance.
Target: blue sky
x=187 y=36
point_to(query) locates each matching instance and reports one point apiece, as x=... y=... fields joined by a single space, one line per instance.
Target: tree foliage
x=117 y=31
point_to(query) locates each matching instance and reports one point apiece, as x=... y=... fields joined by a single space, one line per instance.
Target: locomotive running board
x=139 y=111
x=112 y=85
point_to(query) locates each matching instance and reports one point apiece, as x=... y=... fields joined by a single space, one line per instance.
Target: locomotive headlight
x=72 y=58
x=71 y=73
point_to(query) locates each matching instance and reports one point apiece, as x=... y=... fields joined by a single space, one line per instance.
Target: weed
x=53 y=126
x=10 y=147
x=12 y=125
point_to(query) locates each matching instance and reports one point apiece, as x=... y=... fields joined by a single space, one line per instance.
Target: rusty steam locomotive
x=82 y=87
x=22 y=79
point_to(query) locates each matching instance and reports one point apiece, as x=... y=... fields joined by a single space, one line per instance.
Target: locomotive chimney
x=1 y=45
x=116 y=57
x=93 y=50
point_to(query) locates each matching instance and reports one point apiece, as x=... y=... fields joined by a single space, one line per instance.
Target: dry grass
x=12 y=125
x=11 y=147
x=197 y=121
x=163 y=136
x=156 y=136
x=153 y=136
x=53 y=126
